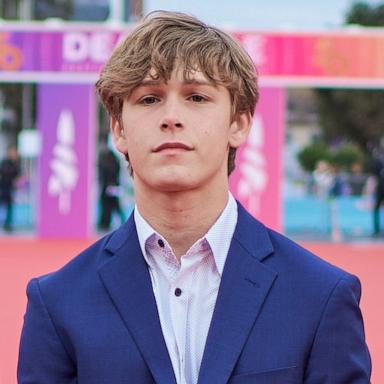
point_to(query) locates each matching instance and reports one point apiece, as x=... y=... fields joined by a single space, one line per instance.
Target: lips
x=173 y=145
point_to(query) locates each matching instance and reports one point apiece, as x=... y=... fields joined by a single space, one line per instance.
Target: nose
x=171 y=123
x=171 y=118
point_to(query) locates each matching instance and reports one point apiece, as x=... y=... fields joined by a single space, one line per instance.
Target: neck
x=181 y=218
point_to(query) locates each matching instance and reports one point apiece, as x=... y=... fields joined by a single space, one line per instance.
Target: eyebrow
x=151 y=83
x=200 y=82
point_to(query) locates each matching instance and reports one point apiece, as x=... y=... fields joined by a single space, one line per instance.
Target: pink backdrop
x=67 y=123
x=257 y=180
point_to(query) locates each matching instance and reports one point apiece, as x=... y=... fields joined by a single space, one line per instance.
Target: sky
x=262 y=14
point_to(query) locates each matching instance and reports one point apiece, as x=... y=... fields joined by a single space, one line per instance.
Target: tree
x=346 y=155
x=310 y=155
x=354 y=115
x=53 y=8
x=364 y=14
x=342 y=156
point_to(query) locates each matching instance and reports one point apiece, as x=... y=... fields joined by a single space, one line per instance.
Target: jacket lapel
x=245 y=283
x=127 y=280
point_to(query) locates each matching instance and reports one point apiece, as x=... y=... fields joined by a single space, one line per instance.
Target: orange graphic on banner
x=328 y=58
x=11 y=58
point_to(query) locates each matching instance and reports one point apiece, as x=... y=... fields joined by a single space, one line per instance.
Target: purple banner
x=66 y=119
x=69 y=51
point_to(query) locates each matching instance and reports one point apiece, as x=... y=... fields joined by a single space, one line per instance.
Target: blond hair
x=163 y=38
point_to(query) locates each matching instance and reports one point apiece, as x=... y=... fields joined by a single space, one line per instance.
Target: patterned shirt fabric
x=186 y=290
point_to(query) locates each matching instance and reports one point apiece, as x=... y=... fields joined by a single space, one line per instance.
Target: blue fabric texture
x=282 y=316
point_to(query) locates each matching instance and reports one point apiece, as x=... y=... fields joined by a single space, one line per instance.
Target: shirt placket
x=180 y=292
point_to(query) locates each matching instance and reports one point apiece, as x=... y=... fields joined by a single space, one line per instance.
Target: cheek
x=138 y=142
x=218 y=133
x=132 y=132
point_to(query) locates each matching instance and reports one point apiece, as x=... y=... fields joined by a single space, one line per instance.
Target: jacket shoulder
x=296 y=253
x=279 y=252
x=80 y=268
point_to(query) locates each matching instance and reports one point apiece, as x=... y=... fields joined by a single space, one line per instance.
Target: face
x=178 y=133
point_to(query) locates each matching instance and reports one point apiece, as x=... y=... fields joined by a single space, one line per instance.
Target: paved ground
x=22 y=258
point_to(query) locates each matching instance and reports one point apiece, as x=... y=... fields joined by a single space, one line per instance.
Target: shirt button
x=177 y=292
x=161 y=243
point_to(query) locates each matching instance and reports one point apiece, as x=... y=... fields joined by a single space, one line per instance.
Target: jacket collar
x=126 y=278
x=244 y=286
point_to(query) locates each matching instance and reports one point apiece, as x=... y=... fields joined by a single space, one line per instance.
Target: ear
x=239 y=129
x=118 y=135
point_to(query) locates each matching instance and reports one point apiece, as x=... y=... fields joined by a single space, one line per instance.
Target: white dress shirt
x=186 y=290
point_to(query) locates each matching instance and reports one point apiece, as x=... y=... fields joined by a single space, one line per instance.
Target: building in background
x=71 y=10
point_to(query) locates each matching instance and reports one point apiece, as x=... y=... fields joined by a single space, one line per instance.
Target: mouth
x=173 y=146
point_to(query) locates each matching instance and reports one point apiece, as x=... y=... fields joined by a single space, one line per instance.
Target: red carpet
x=21 y=259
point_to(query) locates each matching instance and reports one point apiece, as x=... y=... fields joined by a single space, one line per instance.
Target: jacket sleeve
x=43 y=358
x=339 y=353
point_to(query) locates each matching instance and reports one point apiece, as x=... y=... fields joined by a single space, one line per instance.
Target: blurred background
x=332 y=123
x=313 y=167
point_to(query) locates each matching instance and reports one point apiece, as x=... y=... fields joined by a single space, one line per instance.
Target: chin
x=177 y=179
x=165 y=180
x=173 y=185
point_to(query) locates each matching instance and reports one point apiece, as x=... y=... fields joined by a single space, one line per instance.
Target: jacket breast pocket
x=287 y=375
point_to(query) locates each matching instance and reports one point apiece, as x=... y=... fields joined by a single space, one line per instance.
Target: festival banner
x=343 y=57
x=66 y=119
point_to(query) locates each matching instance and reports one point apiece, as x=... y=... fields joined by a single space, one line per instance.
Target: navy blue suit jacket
x=282 y=316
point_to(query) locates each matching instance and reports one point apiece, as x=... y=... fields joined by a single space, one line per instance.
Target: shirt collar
x=219 y=236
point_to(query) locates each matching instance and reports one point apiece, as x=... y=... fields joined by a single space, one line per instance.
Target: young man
x=192 y=289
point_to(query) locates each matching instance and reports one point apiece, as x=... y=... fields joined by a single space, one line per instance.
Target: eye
x=197 y=98
x=148 y=100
